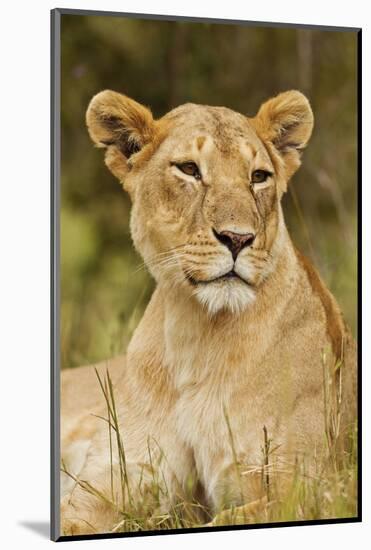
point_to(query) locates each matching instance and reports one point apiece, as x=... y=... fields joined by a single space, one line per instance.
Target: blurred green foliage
x=163 y=64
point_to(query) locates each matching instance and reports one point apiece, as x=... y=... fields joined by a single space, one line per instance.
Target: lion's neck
x=196 y=346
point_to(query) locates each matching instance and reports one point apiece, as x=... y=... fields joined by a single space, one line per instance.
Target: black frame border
x=55 y=155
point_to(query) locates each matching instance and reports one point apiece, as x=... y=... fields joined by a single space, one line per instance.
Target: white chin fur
x=232 y=295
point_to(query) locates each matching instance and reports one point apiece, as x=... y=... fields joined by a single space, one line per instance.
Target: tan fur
x=208 y=358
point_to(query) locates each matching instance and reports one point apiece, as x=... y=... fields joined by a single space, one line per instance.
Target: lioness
x=232 y=348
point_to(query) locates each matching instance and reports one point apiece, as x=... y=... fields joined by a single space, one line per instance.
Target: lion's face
x=206 y=206
x=206 y=184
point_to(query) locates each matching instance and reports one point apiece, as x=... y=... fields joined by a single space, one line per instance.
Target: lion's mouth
x=225 y=277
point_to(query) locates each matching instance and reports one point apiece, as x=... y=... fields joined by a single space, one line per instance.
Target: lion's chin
x=233 y=295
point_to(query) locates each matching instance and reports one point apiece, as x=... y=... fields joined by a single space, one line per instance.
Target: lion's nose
x=235 y=242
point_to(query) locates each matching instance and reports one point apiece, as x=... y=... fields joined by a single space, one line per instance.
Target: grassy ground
x=289 y=492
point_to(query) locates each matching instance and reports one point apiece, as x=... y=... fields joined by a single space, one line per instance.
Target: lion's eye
x=190 y=169
x=259 y=176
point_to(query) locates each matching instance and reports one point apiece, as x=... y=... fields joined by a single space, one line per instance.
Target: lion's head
x=206 y=184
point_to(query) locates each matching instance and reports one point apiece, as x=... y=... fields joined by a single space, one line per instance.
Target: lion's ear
x=286 y=121
x=121 y=124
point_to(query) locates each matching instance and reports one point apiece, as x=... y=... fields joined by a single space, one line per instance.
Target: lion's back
x=80 y=388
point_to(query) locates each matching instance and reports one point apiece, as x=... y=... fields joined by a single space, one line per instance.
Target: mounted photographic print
x=204 y=279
